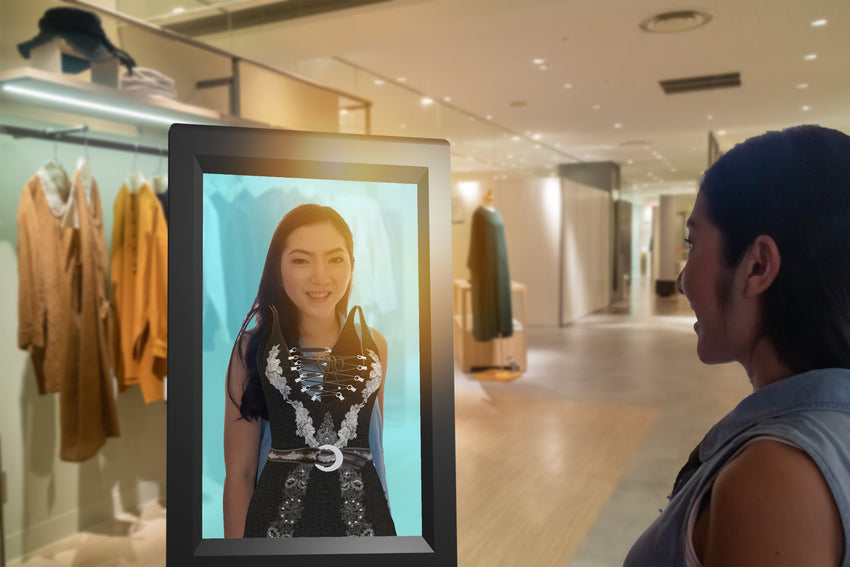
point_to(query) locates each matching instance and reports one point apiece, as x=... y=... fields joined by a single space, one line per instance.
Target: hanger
x=159 y=182
x=135 y=179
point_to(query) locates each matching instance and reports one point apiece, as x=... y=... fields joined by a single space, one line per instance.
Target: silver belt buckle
x=337 y=458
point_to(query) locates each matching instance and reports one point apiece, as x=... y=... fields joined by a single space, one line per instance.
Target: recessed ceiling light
x=806 y=108
x=489 y=117
x=710 y=117
x=402 y=126
x=447 y=98
x=596 y=107
x=811 y=57
x=568 y=85
x=181 y=9
x=617 y=125
x=343 y=111
x=544 y=67
x=427 y=100
x=819 y=23
x=515 y=138
x=402 y=79
x=379 y=82
x=803 y=86
x=721 y=132
x=538 y=61
x=536 y=136
x=630 y=161
x=676 y=21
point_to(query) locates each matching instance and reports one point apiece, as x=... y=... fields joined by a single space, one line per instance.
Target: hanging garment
x=63 y=310
x=489 y=276
x=320 y=423
x=140 y=291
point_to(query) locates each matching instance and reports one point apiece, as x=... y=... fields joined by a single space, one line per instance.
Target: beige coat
x=140 y=291
x=63 y=310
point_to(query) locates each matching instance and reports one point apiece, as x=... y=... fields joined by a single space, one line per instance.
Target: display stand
x=492 y=356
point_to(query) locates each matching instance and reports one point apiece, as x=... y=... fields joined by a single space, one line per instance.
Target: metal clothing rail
x=61 y=135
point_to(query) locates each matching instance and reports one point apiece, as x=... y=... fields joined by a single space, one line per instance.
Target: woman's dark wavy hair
x=794 y=186
x=270 y=292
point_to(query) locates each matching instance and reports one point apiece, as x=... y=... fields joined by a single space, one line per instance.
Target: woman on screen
x=314 y=371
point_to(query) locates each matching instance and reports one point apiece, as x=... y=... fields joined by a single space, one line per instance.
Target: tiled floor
x=564 y=466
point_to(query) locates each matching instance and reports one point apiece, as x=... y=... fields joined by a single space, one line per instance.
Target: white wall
x=530 y=209
x=587 y=254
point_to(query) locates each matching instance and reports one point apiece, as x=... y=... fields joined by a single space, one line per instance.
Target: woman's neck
x=319 y=332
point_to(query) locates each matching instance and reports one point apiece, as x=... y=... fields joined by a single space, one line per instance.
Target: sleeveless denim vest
x=809 y=410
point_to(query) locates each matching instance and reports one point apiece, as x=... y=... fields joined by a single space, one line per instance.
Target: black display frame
x=195 y=150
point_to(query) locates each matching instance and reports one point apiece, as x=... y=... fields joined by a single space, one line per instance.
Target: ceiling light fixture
x=674 y=22
x=427 y=100
x=721 y=132
x=617 y=125
x=568 y=85
x=803 y=86
x=379 y=82
x=447 y=99
x=115 y=110
x=811 y=57
x=402 y=79
x=818 y=23
x=538 y=61
x=806 y=108
x=596 y=107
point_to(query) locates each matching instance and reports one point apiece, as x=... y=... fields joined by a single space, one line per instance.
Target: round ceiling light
x=673 y=22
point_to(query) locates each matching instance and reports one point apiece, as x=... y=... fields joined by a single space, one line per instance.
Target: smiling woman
x=768 y=276
x=316 y=377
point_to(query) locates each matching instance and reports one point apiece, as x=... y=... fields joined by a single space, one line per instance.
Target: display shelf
x=472 y=354
x=66 y=93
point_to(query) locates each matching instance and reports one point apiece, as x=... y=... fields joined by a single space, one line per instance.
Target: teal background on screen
x=240 y=215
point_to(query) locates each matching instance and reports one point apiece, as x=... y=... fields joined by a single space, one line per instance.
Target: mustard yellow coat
x=140 y=291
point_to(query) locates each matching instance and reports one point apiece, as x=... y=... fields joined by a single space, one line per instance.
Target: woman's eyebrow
x=307 y=252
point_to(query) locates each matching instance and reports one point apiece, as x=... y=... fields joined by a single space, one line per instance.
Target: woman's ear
x=761 y=265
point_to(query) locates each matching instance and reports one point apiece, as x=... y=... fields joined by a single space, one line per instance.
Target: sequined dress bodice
x=319 y=398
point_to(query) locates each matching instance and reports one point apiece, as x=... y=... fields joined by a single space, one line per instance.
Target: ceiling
x=480 y=54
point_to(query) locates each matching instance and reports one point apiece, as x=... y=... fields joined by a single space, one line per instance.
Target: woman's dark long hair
x=793 y=186
x=271 y=292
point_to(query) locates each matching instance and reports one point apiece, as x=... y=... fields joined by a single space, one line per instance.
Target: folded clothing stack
x=149 y=82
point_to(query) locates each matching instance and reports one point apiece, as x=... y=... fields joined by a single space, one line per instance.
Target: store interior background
x=531 y=94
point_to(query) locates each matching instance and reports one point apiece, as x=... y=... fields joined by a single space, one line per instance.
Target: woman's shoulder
x=771 y=483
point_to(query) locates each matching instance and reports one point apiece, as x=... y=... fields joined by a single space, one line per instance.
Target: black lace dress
x=319 y=479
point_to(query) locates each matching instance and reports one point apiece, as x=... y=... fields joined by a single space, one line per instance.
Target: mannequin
x=491 y=284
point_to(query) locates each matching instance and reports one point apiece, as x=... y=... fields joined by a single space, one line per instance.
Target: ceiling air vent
x=248 y=14
x=688 y=84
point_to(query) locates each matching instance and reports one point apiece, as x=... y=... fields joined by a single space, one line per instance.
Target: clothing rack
x=61 y=135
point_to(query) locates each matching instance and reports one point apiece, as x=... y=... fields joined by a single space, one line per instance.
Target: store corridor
x=565 y=466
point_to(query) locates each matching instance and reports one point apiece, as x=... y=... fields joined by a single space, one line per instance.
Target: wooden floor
x=532 y=478
x=564 y=466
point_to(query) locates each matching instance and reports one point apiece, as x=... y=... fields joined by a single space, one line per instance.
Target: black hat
x=83 y=32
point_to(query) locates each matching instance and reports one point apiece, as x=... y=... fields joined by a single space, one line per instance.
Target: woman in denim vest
x=768 y=277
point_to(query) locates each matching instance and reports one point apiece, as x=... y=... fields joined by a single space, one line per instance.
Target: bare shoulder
x=772 y=506
x=381 y=343
x=380 y=340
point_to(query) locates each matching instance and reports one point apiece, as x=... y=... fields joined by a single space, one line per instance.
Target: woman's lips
x=318 y=296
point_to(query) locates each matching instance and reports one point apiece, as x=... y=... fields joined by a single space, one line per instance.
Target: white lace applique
x=274 y=372
x=348 y=428
x=303 y=423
